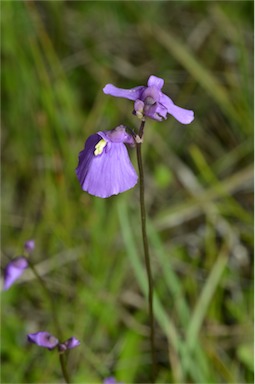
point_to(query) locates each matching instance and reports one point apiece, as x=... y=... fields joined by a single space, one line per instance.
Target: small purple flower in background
x=111 y=380
x=29 y=246
x=43 y=339
x=151 y=102
x=104 y=167
x=13 y=270
x=46 y=340
x=69 y=344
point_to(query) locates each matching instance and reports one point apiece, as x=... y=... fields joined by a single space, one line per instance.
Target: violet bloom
x=111 y=380
x=46 y=340
x=69 y=344
x=29 y=246
x=43 y=339
x=151 y=102
x=13 y=270
x=104 y=167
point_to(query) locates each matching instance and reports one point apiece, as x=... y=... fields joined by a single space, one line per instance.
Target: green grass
x=56 y=58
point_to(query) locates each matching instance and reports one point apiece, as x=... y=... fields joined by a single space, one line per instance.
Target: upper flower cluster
x=104 y=167
x=151 y=102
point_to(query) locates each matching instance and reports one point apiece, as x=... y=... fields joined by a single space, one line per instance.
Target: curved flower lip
x=43 y=339
x=13 y=270
x=104 y=167
x=156 y=103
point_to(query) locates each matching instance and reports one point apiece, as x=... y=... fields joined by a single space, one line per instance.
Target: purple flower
x=69 y=344
x=29 y=246
x=46 y=340
x=13 y=270
x=43 y=339
x=104 y=167
x=151 y=102
x=111 y=380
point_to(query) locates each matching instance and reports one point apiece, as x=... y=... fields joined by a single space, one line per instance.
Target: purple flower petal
x=13 y=271
x=131 y=94
x=86 y=157
x=151 y=95
x=29 y=245
x=111 y=380
x=69 y=344
x=184 y=116
x=72 y=343
x=155 y=81
x=104 y=167
x=43 y=339
x=117 y=135
x=139 y=109
x=156 y=111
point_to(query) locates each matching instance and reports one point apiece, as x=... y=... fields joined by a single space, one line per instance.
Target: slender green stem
x=54 y=317
x=146 y=249
x=63 y=367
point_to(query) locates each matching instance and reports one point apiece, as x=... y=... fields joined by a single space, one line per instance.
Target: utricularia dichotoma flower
x=46 y=340
x=13 y=270
x=104 y=167
x=151 y=102
x=29 y=246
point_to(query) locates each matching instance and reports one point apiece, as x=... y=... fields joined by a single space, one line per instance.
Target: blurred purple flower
x=46 y=340
x=104 y=167
x=43 y=339
x=111 y=380
x=151 y=102
x=13 y=270
x=29 y=245
x=69 y=344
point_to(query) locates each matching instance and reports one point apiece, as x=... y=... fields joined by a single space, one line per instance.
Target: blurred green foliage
x=56 y=58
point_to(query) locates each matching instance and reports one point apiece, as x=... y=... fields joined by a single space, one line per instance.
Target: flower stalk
x=146 y=248
x=62 y=359
x=104 y=168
